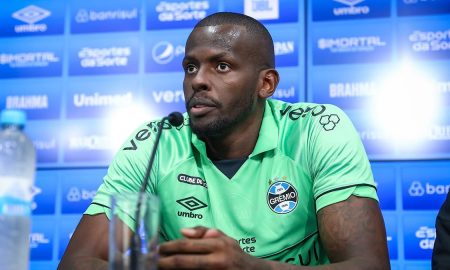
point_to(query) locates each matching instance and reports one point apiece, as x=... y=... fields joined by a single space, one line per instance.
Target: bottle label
x=10 y=206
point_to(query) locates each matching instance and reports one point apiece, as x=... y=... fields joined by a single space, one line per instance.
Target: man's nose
x=200 y=81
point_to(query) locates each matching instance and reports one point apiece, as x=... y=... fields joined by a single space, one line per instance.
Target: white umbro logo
x=31 y=14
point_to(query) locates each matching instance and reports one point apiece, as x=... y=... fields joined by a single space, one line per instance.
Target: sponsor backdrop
x=89 y=72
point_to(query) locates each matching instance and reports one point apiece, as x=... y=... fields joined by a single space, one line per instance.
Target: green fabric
x=309 y=155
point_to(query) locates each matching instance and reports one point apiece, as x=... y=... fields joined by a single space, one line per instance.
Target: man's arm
x=88 y=246
x=441 y=251
x=352 y=232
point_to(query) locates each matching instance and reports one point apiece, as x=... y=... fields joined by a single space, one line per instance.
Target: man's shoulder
x=145 y=135
x=302 y=112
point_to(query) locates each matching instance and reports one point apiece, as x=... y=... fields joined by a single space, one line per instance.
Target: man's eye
x=191 y=68
x=222 y=67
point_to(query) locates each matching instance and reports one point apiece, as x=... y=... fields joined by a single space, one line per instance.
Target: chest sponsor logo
x=192 y=180
x=282 y=197
x=248 y=244
x=192 y=204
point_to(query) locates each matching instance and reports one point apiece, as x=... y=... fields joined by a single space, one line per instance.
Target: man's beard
x=224 y=124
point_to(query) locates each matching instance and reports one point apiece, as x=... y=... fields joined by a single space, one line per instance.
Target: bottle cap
x=14 y=117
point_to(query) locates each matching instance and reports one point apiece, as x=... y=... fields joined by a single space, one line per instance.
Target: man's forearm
x=83 y=263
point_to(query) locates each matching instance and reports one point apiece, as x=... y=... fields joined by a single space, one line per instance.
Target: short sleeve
x=126 y=172
x=338 y=161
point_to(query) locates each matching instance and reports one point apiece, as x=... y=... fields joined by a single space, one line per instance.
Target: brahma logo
x=27 y=102
x=282 y=197
x=164 y=52
x=30 y=15
x=262 y=9
x=351 y=89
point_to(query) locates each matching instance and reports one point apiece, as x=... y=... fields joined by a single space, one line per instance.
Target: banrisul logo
x=282 y=197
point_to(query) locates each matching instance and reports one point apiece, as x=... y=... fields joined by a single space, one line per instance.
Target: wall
x=89 y=72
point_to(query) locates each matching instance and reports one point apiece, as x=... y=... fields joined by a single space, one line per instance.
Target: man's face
x=220 y=79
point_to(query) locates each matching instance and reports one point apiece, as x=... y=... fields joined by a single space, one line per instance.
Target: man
x=441 y=250
x=277 y=185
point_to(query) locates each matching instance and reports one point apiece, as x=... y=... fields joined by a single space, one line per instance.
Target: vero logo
x=31 y=14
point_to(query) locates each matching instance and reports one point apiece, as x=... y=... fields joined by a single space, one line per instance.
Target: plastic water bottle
x=17 y=168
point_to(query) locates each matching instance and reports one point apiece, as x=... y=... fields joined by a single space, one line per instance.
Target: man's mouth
x=199 y=107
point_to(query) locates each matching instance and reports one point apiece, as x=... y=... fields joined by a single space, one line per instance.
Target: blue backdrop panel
x=89 y=72
x=324 y=10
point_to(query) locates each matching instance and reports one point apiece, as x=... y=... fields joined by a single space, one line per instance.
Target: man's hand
x=204 y=248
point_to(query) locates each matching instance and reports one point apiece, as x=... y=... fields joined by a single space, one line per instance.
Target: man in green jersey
x=246 y=182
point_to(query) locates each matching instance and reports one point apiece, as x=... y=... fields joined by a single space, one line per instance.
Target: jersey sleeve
x=338 y=161
x=125 y=173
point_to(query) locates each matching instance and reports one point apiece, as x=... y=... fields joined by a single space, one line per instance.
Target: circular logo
x=163 y=52
x=282 y=197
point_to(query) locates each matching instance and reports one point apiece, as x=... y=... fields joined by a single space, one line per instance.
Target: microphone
x=175 y=119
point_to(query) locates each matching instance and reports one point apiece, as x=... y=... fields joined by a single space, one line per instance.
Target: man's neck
x=239 y=143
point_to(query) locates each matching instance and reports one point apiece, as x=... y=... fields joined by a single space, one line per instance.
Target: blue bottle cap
x=14 y=117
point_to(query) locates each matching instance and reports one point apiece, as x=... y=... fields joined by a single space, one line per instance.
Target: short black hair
x=255 y=28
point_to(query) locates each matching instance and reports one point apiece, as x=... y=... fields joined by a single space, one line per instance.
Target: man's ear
x=270 y=79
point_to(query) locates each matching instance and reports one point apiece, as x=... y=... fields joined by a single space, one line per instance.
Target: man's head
x=229 y=72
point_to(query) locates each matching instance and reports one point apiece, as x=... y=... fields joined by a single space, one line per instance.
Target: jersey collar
x=267 y=140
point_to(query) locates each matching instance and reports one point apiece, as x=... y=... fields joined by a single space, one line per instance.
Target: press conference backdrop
x=89 y=72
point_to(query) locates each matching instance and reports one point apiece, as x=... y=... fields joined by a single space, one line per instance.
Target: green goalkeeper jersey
x=307 y=157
